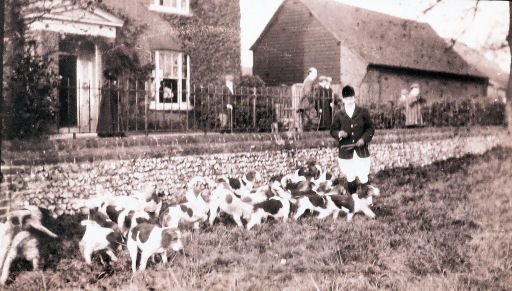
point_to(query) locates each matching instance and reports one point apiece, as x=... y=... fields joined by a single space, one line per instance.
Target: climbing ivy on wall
x=121 y=57
x=211 y=36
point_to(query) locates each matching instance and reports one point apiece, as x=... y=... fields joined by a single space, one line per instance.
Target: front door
x=67 y=91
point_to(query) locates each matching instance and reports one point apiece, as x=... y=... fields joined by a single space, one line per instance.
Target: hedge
x=465 y=112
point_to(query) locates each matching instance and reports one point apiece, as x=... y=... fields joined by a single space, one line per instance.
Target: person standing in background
x=307 y=111
x=413 y=104
x=109 y=121
x=226 y=112
x=402 y=105
x=324 y=99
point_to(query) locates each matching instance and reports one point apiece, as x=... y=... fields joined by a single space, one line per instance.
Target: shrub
x=251 y=81
x=464 y=112
x=209 y=106
x=387 y=115
x=33 y=86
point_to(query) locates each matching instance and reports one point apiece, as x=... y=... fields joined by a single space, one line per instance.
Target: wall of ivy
x=211 y=36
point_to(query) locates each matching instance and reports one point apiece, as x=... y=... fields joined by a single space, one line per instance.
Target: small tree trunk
x=2 y=13
x=508 y=104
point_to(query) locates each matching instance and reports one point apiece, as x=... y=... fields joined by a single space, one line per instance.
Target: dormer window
x=181 y=7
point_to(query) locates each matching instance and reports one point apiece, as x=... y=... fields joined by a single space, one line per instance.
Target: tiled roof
x=382 y=39
x=484 y=65
x=387 y=40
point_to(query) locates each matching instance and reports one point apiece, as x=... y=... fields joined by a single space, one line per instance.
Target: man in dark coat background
x=324 y=98
x=352 y=127
x=308 y=113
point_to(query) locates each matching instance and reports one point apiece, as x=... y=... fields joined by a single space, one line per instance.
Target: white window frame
x=157 y=7
x=180 y=105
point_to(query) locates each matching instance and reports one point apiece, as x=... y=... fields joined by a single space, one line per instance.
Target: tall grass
x=446 y=226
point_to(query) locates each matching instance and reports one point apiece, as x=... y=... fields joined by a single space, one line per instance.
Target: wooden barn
x=376 y=53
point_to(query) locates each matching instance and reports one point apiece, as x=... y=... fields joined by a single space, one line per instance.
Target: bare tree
x=2 y=9
x=508 y=102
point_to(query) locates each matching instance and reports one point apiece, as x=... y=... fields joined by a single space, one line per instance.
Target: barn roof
x=478 y=60
x=382 y=39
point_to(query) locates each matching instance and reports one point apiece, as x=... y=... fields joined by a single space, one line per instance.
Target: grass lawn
x=447 y=226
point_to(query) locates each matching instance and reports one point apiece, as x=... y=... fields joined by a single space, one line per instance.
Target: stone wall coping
x=89 y=148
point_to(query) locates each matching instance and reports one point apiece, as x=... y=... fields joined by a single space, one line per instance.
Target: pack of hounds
x=146 y=225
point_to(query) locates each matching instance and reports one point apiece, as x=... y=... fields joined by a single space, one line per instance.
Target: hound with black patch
x=296 y=184
x=30 y=217
x=151 y=239
x=193 y=211
x=311 y=171
x=23 y=245
x=292 y=179
x=184 y=213
x=198 y=186
x=127 y=219
x=265 y=192
x=101 y=234
x=313 y=202
x=275 y=207
x=225 y=200
x=141 y=201
x=357 y=202
x=242 y=186
x=17 y=240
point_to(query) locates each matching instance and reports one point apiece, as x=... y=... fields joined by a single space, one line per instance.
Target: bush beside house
x=30 y=81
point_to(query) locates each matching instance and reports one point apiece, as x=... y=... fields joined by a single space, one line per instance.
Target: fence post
x=118 y=106
x=269 y=100
x=254 y=108
x=187 y=99
x=127 y=104
x=206 y=128
x=194 y=105
x=146 y=110
x=79 y=106
x=232 y=102
x=68 y=117
x=136 y=106
x=89 y=113
x=215 y=98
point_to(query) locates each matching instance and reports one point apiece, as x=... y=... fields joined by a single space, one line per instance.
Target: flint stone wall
x=57 y=186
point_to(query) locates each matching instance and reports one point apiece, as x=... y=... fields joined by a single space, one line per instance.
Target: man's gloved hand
x=360 y=142
x=342 y=134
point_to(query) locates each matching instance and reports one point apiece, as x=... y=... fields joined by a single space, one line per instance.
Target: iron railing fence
x=131 y=107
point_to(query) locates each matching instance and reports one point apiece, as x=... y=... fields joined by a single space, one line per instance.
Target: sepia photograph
x=256 y=145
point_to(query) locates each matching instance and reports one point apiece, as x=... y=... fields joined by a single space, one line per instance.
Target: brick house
x=176 y=37
x=376 y=53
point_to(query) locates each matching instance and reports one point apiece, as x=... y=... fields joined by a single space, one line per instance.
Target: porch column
x=96 y=89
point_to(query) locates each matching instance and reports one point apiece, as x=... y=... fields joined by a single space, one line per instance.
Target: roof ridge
x=426 y=37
